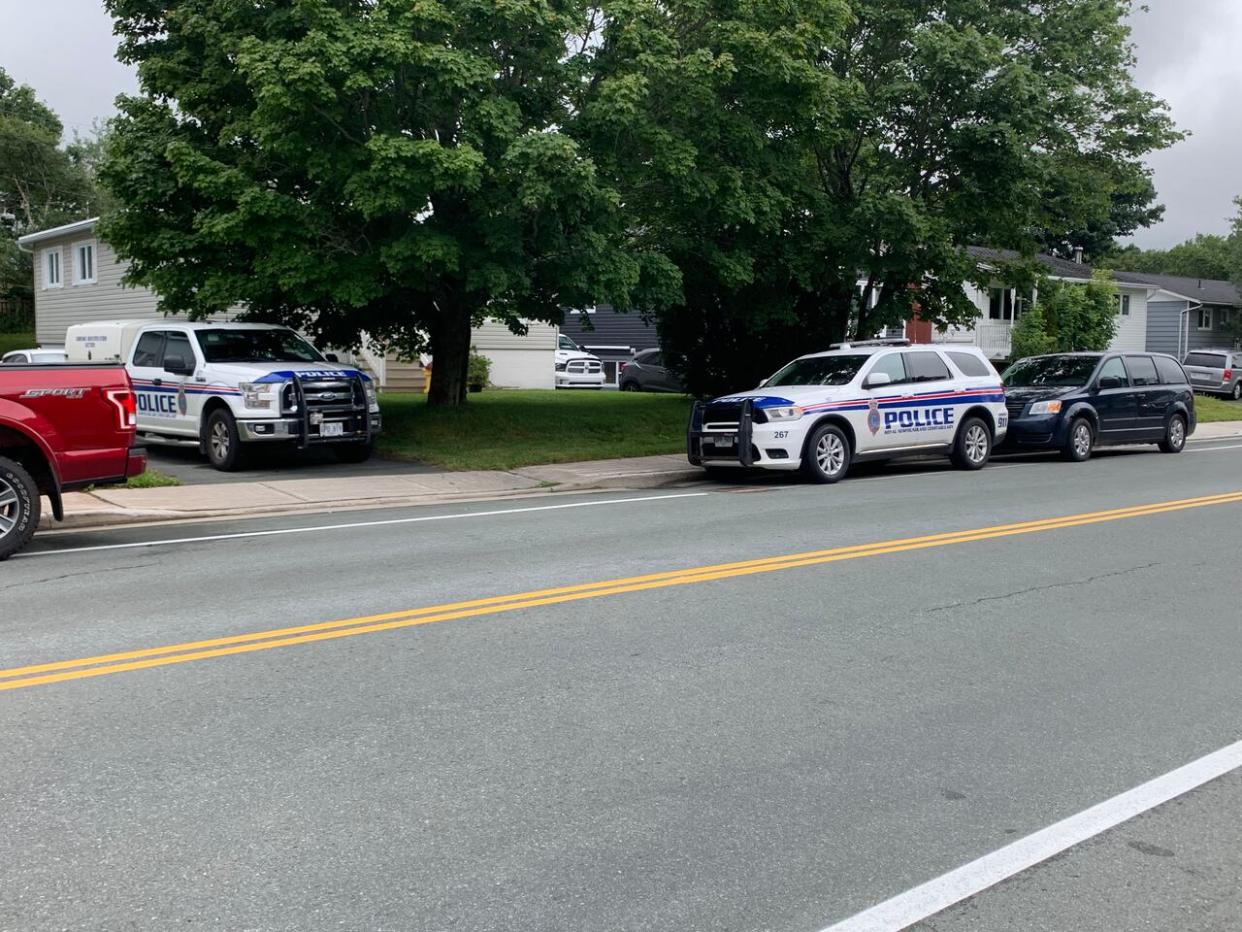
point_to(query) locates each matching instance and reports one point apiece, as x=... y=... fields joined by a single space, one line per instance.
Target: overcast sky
x=1189 y=51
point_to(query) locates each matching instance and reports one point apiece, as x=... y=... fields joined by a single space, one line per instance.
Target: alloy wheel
x=976 y=444
x=830 y=454
x=1082 y=440
x=10 y=507
x=219 y=440
x=1177 y=433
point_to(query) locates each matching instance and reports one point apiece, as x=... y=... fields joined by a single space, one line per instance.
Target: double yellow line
x=125 y=661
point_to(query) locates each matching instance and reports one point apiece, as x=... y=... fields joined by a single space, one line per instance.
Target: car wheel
x=629 y=386
x=973 y=447
x=223 y=444
x=1078 y=444
x=354 y=452
x=20 y=507
x=1236 y=394
x=827 y=455
x=1175 y=436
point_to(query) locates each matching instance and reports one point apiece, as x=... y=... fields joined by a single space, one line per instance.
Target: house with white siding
x=1000 y=306
x=78 y=281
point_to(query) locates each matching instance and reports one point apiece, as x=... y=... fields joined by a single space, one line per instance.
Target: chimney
x=1077 y=255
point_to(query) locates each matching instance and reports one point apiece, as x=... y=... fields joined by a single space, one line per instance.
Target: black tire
x=827 y=455
x=1174 y=435
x=973 y=447
x=1079 y=441
x=1236 y=394
x=354 y=452
x=222 y=442
x=20 y=507
x=630 y=387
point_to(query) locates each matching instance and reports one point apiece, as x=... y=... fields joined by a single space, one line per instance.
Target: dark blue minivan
x=1074 y=402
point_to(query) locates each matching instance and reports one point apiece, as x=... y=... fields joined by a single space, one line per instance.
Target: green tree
x=1078 y=318
x=1204 y=256
x=1031 y=336
x=397 y=168
x=41 y=183
x=781 y=154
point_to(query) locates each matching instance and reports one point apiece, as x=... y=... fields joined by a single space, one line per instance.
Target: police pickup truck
x=228 y=387
x=871 y=400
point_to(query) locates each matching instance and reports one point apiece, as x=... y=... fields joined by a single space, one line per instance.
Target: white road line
x=357 y=524
x=1236 y=446
x=933 y=897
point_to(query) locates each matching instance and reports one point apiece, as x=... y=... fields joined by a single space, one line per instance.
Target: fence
x=16 y=315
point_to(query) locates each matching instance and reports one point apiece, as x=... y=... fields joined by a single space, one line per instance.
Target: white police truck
x=870 y=400
x=228 y=387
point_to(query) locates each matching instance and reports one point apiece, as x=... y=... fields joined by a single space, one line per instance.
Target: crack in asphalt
x=38 y=582
x=1061 y=585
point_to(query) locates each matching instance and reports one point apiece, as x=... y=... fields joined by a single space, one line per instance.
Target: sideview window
x=925 y=367
x=51 y=269
x=1142 y=370
x=970 y=365
x=1114 y=368
x=1205 y=318
x=177 y=346
x=1170 y=372
x=150 y=349
x=892 y=366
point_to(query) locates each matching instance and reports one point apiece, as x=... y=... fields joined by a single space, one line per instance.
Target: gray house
x=1185 y=314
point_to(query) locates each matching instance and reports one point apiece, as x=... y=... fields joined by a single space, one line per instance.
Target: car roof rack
x=897 y=341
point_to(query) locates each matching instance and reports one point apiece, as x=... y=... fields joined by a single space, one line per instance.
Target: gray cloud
x=1189 y=53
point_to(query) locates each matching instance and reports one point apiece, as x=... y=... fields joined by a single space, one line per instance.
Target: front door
x=187 y=402
x=1114 y=402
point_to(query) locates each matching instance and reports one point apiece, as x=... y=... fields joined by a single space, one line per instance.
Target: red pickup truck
x=62 y=427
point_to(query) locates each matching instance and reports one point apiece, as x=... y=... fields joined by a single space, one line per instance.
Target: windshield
x=1050 y=371
x=819 y=370
x=255 y=346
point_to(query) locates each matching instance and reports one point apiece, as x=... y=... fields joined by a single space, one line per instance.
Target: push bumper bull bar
x=704 y=447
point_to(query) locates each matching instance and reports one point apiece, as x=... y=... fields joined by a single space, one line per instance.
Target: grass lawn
x=1209 y=408
x=14 y=341
x=507 y=429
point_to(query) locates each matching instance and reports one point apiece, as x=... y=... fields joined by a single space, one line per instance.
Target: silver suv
x=1215 y=372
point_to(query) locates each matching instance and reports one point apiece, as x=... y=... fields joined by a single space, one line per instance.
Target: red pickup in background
x=62 y=427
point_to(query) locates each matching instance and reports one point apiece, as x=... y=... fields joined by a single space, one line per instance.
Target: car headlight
x=560 y=367
x=784 y=414
x=257 y=395
x=372 y=397
x=1046 y=407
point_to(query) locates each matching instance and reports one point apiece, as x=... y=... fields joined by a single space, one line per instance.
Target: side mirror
x=1109 y=381
x=331 y=357
x=178 y=366
x=877 y=380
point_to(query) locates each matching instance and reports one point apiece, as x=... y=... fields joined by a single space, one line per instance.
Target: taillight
x=1228 y=375
x=126 y=407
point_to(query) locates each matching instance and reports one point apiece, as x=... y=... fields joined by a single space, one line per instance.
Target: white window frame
x=1205 y=313
x=59 y=253
x=1123 y=305
x=78 y=278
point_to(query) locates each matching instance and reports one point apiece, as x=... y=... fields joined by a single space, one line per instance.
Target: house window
x=51 y=269
x=1205 y=318
x=84 y=262
x=1123 y=305
x=1000 y=304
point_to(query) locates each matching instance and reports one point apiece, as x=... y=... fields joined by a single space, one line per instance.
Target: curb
x=101 y=520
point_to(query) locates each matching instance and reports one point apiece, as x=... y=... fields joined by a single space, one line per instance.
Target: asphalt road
x=547 y=714
x=192 y=468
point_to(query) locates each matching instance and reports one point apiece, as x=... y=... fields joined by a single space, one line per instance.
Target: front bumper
x=1043 y=431
x=354 y=429
x=762 y=445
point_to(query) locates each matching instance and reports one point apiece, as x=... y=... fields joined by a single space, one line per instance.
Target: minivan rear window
x=1208 y=360
x=1170 y=372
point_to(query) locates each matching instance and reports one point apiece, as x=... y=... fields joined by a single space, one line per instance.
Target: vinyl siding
x=1163 y=322
x=104 y=299
x=1131 y=334
x=1216 y=338
x=611 y=328
x=518 y=361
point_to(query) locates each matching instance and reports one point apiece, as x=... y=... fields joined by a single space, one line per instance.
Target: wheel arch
x=980 y=412
x=836 y=420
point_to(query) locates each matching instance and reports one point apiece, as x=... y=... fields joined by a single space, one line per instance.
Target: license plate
x=332 y=429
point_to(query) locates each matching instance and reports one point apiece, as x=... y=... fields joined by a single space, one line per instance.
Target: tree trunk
x=450 y=357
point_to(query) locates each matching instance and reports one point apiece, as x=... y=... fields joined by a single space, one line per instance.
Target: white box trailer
x=106 y=341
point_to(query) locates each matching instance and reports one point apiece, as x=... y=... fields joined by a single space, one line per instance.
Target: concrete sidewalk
x=135 y=506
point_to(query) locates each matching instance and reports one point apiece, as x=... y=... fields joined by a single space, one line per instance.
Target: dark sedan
x=1074 y=402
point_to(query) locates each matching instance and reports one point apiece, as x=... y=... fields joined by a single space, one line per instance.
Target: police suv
x=870 y=400
x=228 y=386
